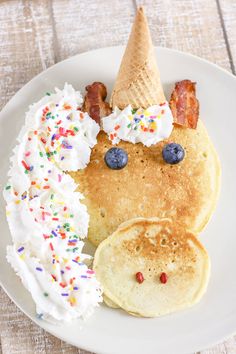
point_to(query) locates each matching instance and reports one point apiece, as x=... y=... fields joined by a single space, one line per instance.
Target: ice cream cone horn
x=138 y=82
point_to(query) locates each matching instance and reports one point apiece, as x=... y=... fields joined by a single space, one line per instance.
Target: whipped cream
x=146 y=126
x=46 y=218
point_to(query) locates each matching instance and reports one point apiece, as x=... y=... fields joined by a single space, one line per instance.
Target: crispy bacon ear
x=94 y=101
x=184 y=104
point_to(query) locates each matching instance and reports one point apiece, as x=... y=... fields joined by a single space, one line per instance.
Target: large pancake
x=152 y=246
x=148 y=187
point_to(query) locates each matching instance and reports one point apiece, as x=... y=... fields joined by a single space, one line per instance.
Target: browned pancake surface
x=149 y=187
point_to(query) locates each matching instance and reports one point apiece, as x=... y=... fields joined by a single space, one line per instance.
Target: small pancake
x=109 y=302
x=152 y=246
x=148 y=186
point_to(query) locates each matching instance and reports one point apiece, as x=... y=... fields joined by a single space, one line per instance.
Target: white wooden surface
x=35 y=34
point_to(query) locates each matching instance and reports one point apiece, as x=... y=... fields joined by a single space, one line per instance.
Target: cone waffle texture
x=138 y=82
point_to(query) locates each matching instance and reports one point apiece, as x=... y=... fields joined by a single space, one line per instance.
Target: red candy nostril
x=139 y=277
x=163 y=278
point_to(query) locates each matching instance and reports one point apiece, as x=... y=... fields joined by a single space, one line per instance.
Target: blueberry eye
x=116 y=158
x=173 y=153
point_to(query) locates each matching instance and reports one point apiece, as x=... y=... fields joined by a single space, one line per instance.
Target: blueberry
x=173 y=153
x=116 y=158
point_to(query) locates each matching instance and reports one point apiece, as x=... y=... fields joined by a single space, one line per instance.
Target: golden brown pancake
x=149 y=187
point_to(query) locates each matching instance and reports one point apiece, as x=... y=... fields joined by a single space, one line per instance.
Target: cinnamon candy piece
x=184 y=104
x=94 y=101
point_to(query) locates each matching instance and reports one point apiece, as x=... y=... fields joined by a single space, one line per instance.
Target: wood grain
x=36 y=34
x=26 y=43
x=228 y=9
x=86 y=25
x=190 y=25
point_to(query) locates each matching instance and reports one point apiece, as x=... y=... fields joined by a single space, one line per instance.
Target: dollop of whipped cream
x=46 y=218
x=146 y=126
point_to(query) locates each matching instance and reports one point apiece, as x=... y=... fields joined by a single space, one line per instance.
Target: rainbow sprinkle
x=147 y=126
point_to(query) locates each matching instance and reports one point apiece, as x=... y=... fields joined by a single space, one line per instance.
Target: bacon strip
x=184 y=104
x=94 y=101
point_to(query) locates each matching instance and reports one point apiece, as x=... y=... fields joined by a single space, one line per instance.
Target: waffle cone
x=138 y=82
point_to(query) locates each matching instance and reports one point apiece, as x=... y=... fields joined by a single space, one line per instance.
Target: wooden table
x=35 y=34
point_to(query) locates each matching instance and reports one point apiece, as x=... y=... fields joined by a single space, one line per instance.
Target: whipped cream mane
x=147 y=126
x=46 y=218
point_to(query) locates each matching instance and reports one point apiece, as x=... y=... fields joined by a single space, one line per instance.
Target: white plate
x=113 y=331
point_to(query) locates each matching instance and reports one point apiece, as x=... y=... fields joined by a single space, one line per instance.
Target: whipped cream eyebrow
x=146 y=126
x=46 y=218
